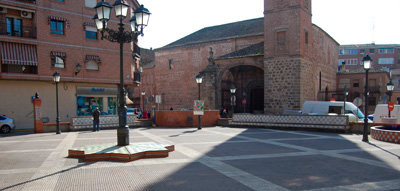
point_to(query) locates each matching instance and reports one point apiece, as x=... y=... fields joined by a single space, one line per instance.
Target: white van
x=381 y=111
x=333 y=108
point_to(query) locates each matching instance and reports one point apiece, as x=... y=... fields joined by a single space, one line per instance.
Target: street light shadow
x=46 y=176
x=372 y=144
x=185 y=132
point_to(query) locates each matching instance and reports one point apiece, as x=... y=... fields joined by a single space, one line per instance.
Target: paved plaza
x=214 y=158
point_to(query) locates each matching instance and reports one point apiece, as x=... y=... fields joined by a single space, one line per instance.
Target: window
x=281 y=38
x=58 y=59
x=90 y=3
x=91 y=32
x=371 y=50
x=350 y=61
x=386 y=61
x=92 y=65
x=398 y=61
x=14 y=27
x=356 y=83
x=306 y=37
x=57 y=62
x=362 y=51
x=57 y=27
x=170 y=62
x=386 y=51
x=347 y=51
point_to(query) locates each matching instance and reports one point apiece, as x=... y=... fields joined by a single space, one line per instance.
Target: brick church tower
x=290 y=77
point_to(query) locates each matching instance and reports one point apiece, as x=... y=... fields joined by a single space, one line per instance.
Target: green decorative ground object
x=113 y=152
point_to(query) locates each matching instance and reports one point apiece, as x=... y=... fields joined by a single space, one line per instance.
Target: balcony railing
x=26 y=31
x=28 y=1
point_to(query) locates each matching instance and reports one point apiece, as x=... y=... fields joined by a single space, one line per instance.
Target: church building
x=276 y=63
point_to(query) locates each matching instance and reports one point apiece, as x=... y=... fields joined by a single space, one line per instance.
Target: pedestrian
x=96 y=119
x=224 y=113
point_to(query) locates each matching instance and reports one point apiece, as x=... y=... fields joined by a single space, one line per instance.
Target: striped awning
x=56 y=18
x=94 y=58
x=90 y=24
x=59 y=54
x=18 y=54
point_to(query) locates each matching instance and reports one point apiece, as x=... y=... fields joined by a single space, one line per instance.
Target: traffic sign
x=357 y=101
x=390 y=106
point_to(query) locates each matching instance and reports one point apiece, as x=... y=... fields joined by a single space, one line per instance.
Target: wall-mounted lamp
x=77 y=69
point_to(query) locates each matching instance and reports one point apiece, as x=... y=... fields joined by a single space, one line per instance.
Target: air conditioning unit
x=26 y=14
x=3 y=10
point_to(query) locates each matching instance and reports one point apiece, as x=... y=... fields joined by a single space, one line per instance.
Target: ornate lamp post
x=143 y=94
x=138 y=21
x=56 y=78
x=367 y=65
x=390 y=88
x=233 y=98
x=199 y=80
x=346 y=93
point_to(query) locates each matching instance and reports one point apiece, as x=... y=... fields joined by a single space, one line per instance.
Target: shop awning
x=18 y=54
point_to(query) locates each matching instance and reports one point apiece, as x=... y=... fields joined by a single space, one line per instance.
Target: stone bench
x=107 y=121
x=300 y=121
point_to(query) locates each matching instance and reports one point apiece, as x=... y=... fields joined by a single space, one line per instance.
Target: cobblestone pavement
x=214 y=158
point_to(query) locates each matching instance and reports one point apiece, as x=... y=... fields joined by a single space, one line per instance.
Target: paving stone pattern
x=214 y=158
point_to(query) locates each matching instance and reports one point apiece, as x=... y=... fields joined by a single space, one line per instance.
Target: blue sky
x=347 y=21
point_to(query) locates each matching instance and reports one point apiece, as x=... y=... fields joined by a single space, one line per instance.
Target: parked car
x=6 y=124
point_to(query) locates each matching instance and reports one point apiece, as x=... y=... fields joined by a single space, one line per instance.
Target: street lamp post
x=138 y=21
x=367 y=65
x=199 y=80
x=233 y=98
x=346 y=92
x=143 y=94
x=390 y=87
x=56 y=78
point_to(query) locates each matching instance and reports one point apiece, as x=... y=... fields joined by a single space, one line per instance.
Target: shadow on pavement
x=46 y=176
x=288 y=160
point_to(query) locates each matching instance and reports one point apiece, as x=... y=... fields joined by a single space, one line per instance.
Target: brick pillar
x=37 y=116
x=210 y=89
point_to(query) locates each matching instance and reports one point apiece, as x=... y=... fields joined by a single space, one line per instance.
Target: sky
x=347 y=21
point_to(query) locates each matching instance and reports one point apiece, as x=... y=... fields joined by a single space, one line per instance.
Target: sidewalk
x=214 y=158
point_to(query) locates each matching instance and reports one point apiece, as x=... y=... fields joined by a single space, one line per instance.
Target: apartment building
x=40 y=37
x=385 y=59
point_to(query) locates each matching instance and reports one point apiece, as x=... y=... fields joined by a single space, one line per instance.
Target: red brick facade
x=76 y=16
x=297 y=61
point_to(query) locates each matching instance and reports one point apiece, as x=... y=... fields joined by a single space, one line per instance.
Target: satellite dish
x=357 y=101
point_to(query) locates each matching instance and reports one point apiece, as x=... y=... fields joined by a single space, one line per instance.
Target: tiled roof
x=236 y=29
x=253 y=50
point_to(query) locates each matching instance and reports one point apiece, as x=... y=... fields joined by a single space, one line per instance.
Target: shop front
x=88 y=98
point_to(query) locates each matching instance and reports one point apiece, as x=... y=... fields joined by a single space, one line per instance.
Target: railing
x=374 y=89
x=28 y=1
x=26 y=31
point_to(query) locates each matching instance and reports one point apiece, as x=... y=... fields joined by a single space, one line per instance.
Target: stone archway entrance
x=249 y=83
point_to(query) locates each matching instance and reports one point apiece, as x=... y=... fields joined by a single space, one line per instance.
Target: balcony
x=28 y=1
x=374 y=89
x=25 y=31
